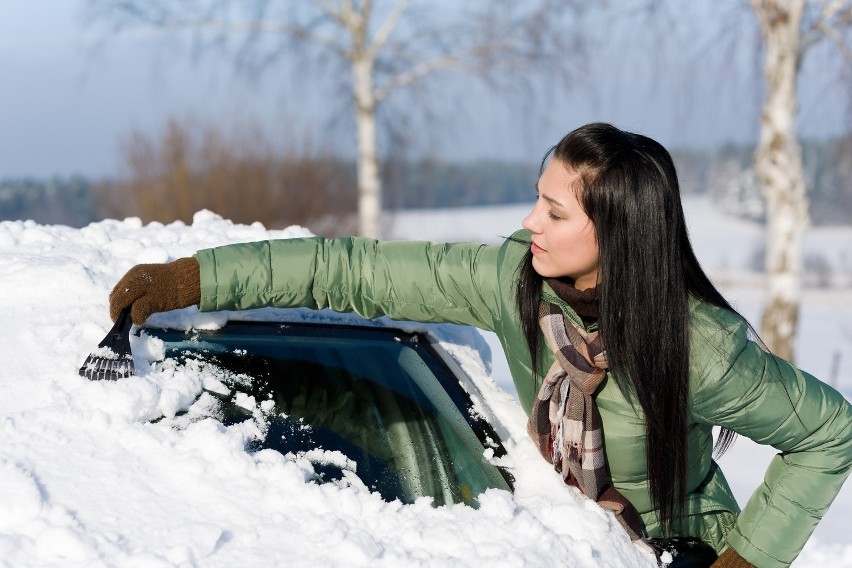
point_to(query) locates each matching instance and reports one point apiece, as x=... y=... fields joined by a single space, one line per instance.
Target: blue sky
x=69 y=96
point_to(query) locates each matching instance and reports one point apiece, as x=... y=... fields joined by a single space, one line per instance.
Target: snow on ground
x=87 y=479
x=727 y=249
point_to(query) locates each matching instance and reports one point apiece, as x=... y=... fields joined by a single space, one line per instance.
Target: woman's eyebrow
x=546 y=198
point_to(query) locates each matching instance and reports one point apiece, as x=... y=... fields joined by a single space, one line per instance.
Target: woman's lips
x=536 y=249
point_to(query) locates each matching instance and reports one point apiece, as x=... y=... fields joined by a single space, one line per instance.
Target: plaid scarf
x=565 y=423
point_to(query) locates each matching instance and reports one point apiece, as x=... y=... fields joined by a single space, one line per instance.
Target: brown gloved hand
x=151 y=288
x=730 y=559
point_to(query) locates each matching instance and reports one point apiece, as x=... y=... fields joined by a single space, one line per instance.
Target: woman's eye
x=553 y=216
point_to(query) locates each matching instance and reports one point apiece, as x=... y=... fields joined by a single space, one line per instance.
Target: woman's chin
x=542 y=269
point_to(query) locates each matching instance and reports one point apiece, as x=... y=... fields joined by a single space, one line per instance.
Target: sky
x=72 y=92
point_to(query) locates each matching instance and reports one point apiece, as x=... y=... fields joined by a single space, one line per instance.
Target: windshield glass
x=381 y=397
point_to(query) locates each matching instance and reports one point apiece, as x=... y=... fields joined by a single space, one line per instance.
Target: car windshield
x=384 y=398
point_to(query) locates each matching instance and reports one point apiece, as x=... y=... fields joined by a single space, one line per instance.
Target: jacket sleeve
x=408 y=280
x=745 y=389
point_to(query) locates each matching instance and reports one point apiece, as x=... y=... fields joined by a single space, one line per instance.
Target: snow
x=114 y=474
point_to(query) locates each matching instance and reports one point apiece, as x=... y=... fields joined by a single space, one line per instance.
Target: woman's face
x=564 y=242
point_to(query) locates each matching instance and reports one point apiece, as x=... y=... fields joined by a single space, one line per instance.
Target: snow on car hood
x=87 y=480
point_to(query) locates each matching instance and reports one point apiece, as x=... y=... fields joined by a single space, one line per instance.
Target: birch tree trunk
x=362 y=57
x=369 y=181
x=778 y=162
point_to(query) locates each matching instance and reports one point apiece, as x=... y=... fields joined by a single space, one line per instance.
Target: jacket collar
x=548 y=295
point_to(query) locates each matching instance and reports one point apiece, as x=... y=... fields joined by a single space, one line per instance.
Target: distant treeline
x=727 y=174
x=321 y=190
x=431 y=184
x=49 y=202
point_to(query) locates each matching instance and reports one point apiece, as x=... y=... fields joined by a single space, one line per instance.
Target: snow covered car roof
x=87 y=479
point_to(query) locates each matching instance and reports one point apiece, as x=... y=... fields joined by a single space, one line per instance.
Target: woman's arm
x=746 y=389
x=416 y=281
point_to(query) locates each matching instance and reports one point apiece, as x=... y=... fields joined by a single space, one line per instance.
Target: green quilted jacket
x=733 y=382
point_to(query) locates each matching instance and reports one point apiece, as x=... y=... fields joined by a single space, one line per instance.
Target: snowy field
x=87 y=479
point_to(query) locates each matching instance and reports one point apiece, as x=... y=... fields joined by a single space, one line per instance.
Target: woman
x=600 y=291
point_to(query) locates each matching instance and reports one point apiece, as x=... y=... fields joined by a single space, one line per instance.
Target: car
x=382 y=403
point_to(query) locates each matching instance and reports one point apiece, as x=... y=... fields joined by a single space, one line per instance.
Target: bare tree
x=789 y=28
x=386 y=45
x=237 y=173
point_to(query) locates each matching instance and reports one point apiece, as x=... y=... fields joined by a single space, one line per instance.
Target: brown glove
x=151 y=288
x=730 y=559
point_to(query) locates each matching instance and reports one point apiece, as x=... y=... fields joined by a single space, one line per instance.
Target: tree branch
x=266 y=26
x=334 y=11
x=511 y=40
x=413 y=73
x=832 y=34
x=387 y=27
x=823 y=27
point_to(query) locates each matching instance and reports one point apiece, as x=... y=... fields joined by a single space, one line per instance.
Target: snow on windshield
x=87 y=479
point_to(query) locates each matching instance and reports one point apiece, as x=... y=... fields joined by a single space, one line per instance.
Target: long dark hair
x=647 y=270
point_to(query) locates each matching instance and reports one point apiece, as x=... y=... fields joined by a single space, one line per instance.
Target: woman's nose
x=530 y=222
